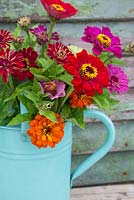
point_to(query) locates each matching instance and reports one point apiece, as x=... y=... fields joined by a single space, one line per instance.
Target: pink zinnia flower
x=58 y=9
x=118 y=80
x=58 y=52
x=102 y=40
x=6 y=37
x=41 y=34
x=29 y=61
x=10 y=61
x=55 y=88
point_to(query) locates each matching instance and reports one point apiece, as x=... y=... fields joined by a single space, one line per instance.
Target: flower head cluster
x=55 y=82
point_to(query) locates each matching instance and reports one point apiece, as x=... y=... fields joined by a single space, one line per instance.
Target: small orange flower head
x=44 y=132
x=79 y=100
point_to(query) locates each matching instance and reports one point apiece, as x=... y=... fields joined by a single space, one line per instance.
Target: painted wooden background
x=118 y=165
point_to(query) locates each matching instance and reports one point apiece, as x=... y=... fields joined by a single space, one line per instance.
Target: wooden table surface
x=110 y=192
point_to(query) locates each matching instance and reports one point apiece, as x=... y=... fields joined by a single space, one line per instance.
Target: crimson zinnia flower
x=29 y=57
x=43 y=132
x=58 y=9
x=58 y=52
x=89 y=73
x=10 y=62
x=6 y=37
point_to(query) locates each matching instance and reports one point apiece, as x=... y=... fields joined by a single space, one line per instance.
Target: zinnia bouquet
x=56 y=83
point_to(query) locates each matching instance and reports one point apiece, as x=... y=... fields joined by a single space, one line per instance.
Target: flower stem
x=52 y=24
x=11 y=85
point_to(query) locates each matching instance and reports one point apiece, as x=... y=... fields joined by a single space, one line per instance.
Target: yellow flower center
x=58 y=7
x=88 y=72
x=27 y=61
x=104 y=40
x=51 y=86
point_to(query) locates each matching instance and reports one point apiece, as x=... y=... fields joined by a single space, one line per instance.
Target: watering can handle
x=102 y=151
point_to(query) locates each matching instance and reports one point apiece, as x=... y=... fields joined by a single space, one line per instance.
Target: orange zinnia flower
x=80 y=101
x=44 y=132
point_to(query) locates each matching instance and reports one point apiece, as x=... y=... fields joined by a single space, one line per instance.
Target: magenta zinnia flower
x=102 y=40
x=41 y=34
x=58 y=52
x=10 y=62
x=55 y=88
x=6 y=37
x=118 y=80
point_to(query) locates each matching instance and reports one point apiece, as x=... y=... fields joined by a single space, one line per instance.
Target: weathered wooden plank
x=71 y=34
x=110 y=192
x=113 y=168
x=89 y=9
x=89 y=139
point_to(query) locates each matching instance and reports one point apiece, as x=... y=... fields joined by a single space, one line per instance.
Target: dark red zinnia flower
x=58 y=52
x=6 y=37
x=10 y=62
x=89 y=73
x=29 y=56
x=58 y=9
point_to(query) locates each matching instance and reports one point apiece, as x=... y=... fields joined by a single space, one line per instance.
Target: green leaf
x=49 y=114
x=59 y=70
x=20 y=89
x=104 y=100
x=78 y=118
x=66 y=111
x=104 y=56
x=67 y=78
x=116 y=61
x=18 y=119
x=39 y=74
x=42 y=62
x=17 y=31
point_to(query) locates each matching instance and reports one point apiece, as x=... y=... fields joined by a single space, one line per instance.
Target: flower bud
x=132 y=47
x=24 y=21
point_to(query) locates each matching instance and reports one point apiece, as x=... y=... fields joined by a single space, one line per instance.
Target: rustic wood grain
x=113 y=9
x=113 y=168
x=111 y=192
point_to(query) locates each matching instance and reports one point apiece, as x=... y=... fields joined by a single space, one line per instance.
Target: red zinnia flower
x=80 y=100
x=90 y=74
x=29 y=56
x=10 y=61
x=58 y=9
x=6 y=37
x=58 y=52
x=44 y=132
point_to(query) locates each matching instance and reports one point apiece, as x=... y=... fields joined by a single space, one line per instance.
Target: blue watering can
x=29 y=173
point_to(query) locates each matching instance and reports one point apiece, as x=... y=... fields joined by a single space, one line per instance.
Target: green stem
x=52 y=24
x=68 y=92
x=29 y=38
x=11 y=85
x=42 y=50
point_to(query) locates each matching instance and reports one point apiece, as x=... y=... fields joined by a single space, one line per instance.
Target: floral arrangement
x=56 y=83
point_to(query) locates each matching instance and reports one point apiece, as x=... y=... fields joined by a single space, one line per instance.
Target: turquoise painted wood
x=30 y=173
